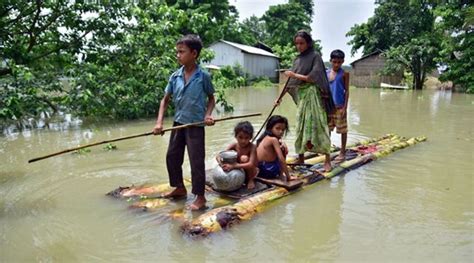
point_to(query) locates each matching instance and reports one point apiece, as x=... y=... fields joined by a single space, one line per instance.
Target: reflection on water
x=415 y=204
x=58 y=122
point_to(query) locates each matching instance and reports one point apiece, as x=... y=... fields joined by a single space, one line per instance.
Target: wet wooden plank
x=241 y=192
x=291 y=185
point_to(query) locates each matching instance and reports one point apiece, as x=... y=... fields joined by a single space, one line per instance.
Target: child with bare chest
x=271 y=151
x=246 y=153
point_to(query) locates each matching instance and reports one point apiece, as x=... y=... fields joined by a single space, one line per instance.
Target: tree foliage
x=457 y=24
x=418 y=36
x=308 y=6
x=116 y=57
x=39 y=44
x=253 y=30
x=283 y=21
x=418 y=56
x=394 y=23
x=222 y=20
x=112 y=58
x=403 y=29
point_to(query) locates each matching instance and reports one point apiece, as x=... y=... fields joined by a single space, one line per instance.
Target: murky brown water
x=414 y=205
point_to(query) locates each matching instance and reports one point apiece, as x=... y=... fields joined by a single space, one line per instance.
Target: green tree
x=222 y=20
x=127 y=81
x=116 y=57
x=283 y=21
x=308 y=6
x=456 y=22
x=418 y=56
x=401 y=29
x=39 y=42
x=253 y=29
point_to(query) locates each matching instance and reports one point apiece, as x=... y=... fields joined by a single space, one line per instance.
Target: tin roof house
x=366 y=71
x=255 y=61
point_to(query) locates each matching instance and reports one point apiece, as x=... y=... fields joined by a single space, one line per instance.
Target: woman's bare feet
x=340 y=158
x=327 y=167
x=327 y=163
x=198 y=204
x=178 y=192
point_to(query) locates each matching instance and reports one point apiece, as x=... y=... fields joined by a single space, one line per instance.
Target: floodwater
x=415 y=205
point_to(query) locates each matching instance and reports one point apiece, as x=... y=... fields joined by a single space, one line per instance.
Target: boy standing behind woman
x=339 y=85
x=192 y=93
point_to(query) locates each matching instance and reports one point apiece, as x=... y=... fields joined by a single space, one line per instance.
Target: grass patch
x=262 y=83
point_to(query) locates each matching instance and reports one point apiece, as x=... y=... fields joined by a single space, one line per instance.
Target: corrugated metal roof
x=376 y=52
x=249 y=49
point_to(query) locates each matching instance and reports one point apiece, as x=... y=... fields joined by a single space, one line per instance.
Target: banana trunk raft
x=223 y=210
x=225 y=217
x=147 y=196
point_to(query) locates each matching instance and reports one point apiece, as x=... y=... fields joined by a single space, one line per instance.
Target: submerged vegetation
x=107 y=59
x=262 y=82
x=113 y=59
x=110 y=147
x=420 y=36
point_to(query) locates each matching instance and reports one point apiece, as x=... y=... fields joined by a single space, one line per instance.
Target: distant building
x=366 y=71
x=255 y=61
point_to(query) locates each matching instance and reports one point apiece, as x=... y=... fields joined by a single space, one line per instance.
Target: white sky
x=331 y=21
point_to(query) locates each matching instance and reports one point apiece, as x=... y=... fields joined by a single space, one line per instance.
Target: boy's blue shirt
x=190 y=100
x=337 y=87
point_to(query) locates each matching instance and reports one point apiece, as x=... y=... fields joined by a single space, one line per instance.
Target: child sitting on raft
x=271 y=151
x=246 y=153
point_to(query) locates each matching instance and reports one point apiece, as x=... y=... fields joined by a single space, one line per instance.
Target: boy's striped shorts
x=339 y=121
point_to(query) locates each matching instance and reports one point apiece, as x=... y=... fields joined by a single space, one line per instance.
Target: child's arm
x=284 y=148
x=346 y=87
x=211 y=103
x=251 y=163
x=253 y=156
x=281 y=158
x=158 y=129
x=230 y=147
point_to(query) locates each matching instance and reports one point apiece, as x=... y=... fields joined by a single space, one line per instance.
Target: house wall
x=259 y=66
x=366 y=73
x=226 y=55
x=255 y=65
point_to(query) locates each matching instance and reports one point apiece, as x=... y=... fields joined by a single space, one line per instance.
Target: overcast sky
x=331 y=21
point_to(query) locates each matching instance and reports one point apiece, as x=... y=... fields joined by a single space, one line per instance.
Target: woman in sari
x=309 y=88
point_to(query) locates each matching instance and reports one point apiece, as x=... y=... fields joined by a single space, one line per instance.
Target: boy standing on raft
x=339 y=85
x=193 y=97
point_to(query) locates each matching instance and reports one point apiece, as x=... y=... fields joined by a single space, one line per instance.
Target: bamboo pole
x=140 y=135
x=273 y=109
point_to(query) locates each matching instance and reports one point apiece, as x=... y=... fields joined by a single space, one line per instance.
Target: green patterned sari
x=311 y=128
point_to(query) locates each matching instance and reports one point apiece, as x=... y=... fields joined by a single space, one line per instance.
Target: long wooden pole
x=141 y=135
x=273 y=109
